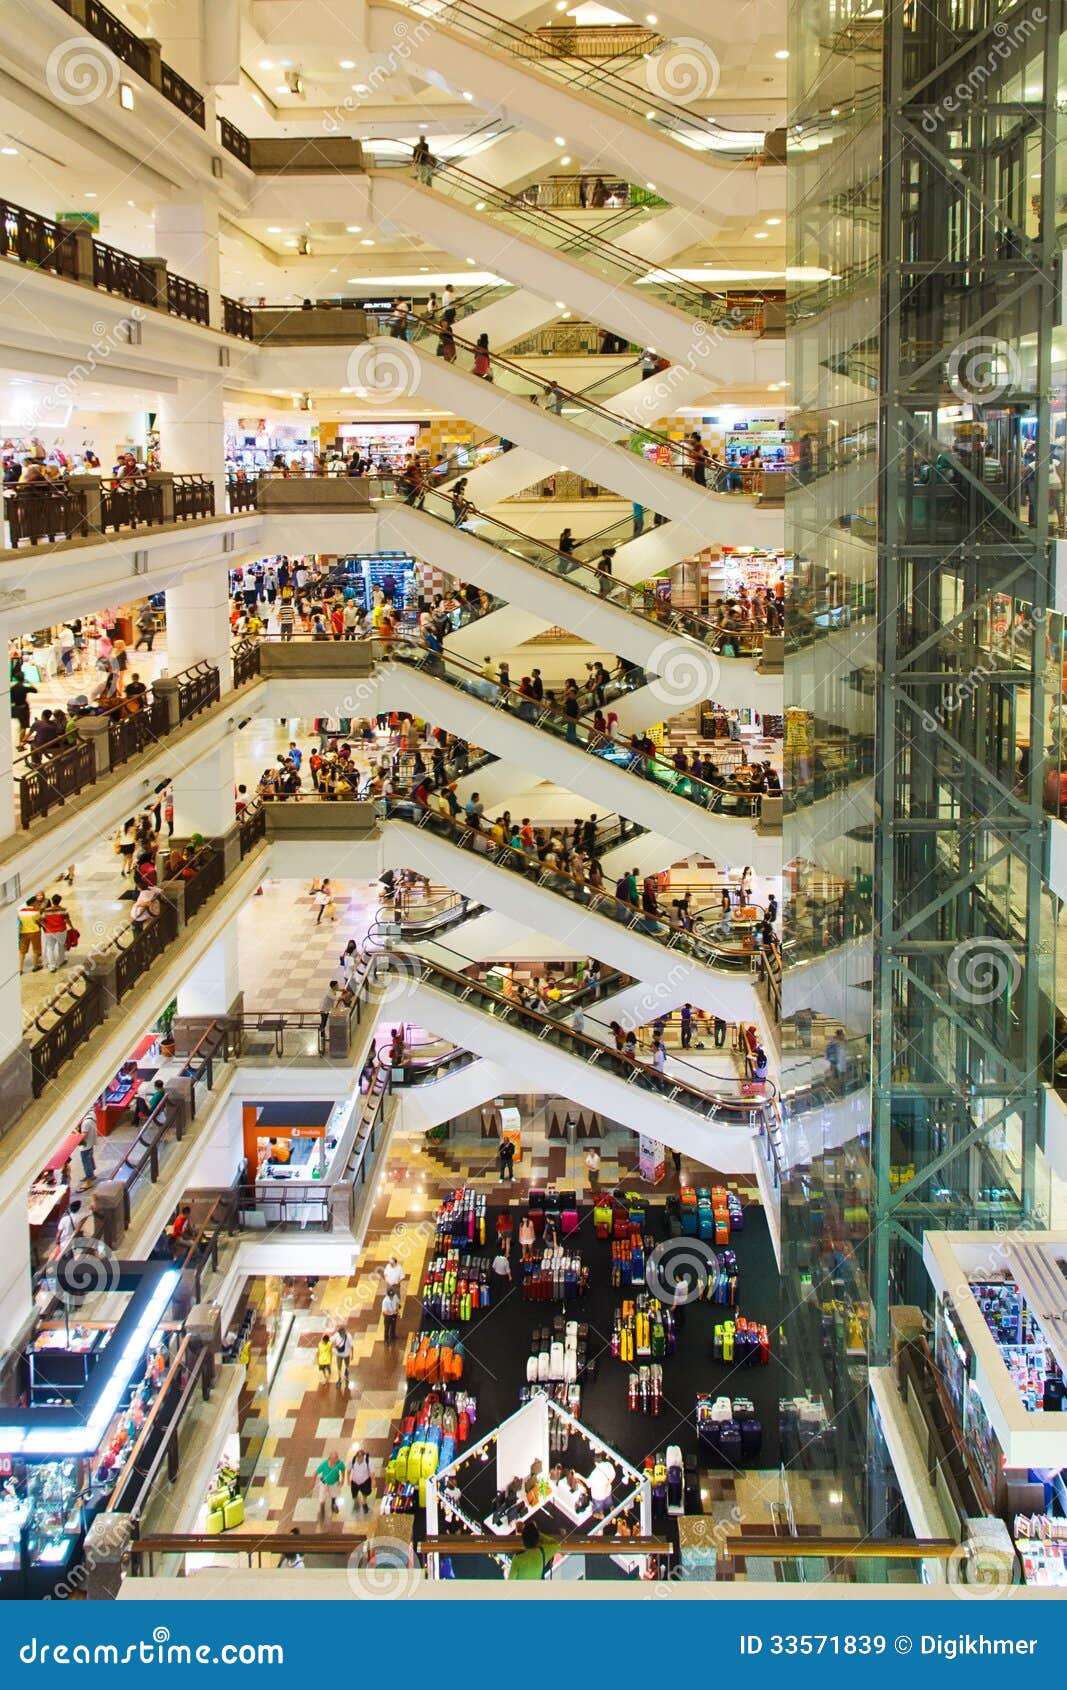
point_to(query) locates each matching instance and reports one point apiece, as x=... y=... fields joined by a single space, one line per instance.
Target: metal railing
x=137 y=55
x=235 y=141
x=36 y=241
x=236 y=318
x=241 y=495
x=198 y=687
x=115 y=271
x=186 y=299
x=246 y=661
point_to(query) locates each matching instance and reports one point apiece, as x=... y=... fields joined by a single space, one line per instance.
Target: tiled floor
x=286 y=1430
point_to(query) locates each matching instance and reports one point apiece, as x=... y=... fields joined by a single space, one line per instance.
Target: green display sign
x=90 y=217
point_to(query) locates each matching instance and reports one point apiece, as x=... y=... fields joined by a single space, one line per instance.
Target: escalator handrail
x=590 y=76
x=568 y=565
x=707 y=1103
x=425 y=326
x=532 y=867
x=594 y=742
x=497 y=199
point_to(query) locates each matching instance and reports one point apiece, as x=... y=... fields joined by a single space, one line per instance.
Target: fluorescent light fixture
x=9 y=152
x=125 y=96
x=467 y=96
x=348 y=64
x=353 y=228
x=560 y=142
x=782 y=53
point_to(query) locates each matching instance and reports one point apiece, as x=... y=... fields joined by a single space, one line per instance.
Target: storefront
x=89 y=1387
x=288 y=1141
x=1000 y=1343
x=253 y=443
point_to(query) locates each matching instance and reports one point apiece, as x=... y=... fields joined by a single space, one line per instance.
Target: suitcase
x=730 y=1449
x=568 y=1221
x=215 y=1521
x=728 y=1331
x=234 y=1512
x=751 y=1439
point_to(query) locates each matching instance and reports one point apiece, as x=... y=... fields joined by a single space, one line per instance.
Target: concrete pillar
x=187 y=236
x=15 y=1086
x=16 y=1289
x=191 y=425
x=95 y=728
x=204 y=795
x=213 y=987
x=198 y=625
x=179 y=31
x=8 y=793
x=107 y=1544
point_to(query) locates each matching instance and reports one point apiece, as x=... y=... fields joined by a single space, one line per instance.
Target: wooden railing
x=236 y=318
x=235 y=141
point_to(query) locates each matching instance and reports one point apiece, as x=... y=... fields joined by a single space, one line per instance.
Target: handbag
x=73 y=938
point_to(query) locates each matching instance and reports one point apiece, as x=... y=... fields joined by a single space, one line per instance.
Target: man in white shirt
x=393 y=1274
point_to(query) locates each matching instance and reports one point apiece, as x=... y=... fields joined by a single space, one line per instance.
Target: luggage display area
x=637 y=1342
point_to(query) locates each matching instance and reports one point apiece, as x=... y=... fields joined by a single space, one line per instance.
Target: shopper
x=87 y=1132
x=534 y=1560
x=30 y=931
x=601 y=1483
x=324 y=901
x=390 y=1313
x=359 y=1480
x=527 y=1238
x=54 y=925
x=501 y=1271
x=324 y=1357
x=330 y=999
x=686 y=1018
x=342 y=1354
x=506 y=1155
x=393 y=1274
x=329 y=1475
x=592 y=1167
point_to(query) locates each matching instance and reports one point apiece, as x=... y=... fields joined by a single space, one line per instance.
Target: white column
x=192 y=432
x=204 y=795
x=198 y=622
x=16 y=1290
x=180 y=33
x=8 y=795
x=10 y=991
x=187 y=236
x=214 y=985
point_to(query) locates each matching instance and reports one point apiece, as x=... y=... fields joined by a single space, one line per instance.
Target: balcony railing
x=74 y=255
x=186 y=299
x=41 y=511
x=236 y=318
x=139 y=56
x=36 y=240
x=241 y=495
x=235 y=141
x=246 y=661
x=48 y=776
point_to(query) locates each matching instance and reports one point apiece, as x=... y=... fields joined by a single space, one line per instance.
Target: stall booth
x=1000 y=1344
x=532 y=1484
x=289 y=1145
x=89 y=1386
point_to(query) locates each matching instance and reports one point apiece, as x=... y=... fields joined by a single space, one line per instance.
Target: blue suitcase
x=751 y=1439
x=730 y=1448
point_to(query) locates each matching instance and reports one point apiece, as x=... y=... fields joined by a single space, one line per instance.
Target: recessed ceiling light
x=480 y=206
x=782 y=53
x=650 y=115
x=773 y=222
x=353 y=228
x=652 y=18
x=365 y=242
x=266 y=64
x=651 y=186
x=835 y=111
x=292 y=243
x=423 y=269
x=560 y=142
x=9 y=152
x=258 y=99
x=470 y=260
x=361 y=88
x=467 y=96
x=89 y=194
x=125 y=96
x=348 y=64
x=566 y=159
x=130 y=203
x=273 y=229
x=283 y=88
x=761 y=235
x=560 y=306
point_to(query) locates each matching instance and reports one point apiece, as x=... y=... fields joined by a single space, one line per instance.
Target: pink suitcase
x=568 y=1221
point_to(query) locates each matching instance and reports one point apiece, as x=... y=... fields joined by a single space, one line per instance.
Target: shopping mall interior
x=621 y=458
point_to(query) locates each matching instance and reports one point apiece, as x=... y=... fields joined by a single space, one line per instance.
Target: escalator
x=713 y=1123
x=614 y=123
x=718 y=819
x=521 y=888
x=548 y=588
x=535 y=250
